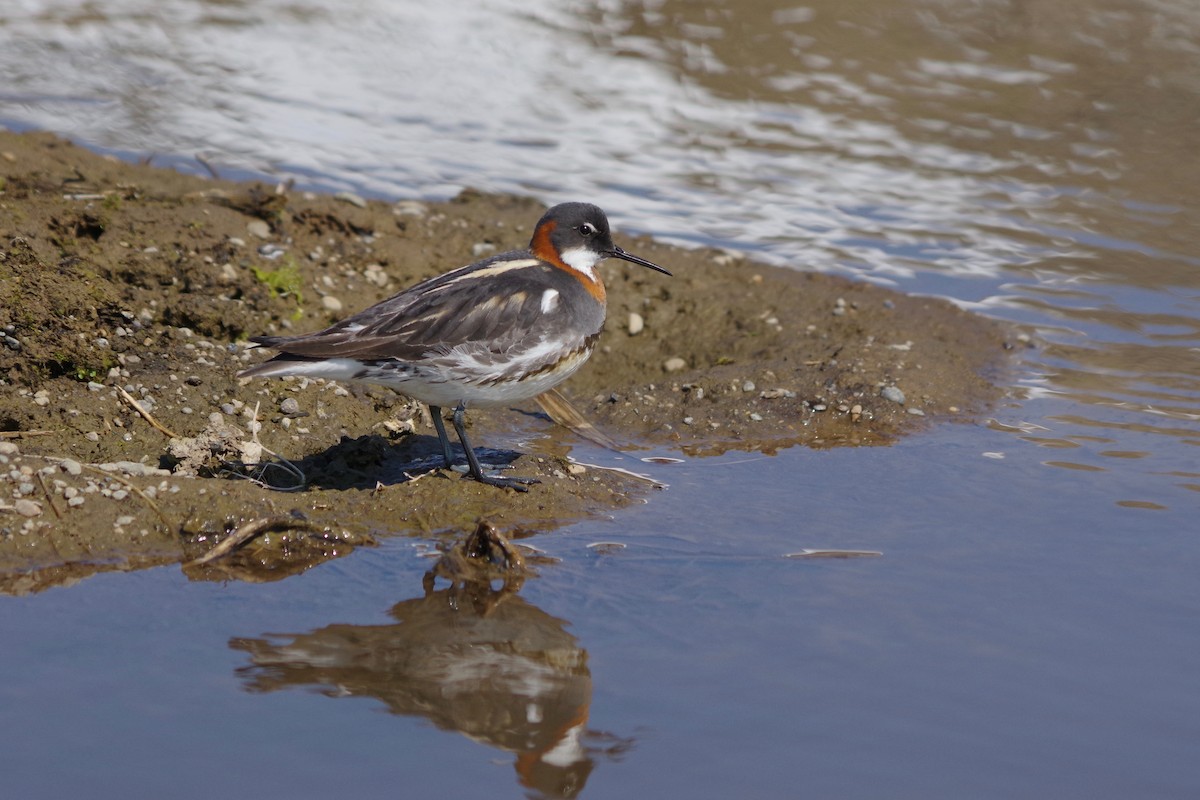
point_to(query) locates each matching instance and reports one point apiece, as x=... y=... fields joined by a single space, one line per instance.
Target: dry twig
x=248 y=531
x=128 y=398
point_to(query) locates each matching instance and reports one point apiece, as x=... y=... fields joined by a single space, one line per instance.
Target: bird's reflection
x=469 y=658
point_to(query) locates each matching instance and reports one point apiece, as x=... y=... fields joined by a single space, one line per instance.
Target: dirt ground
x=127 y=294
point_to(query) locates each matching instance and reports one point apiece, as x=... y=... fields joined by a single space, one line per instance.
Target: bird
x=498 y=331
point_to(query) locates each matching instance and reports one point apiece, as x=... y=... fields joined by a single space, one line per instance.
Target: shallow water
x=1028 y=628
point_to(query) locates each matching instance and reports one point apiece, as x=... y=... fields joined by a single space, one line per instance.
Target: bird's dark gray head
x=577 y=235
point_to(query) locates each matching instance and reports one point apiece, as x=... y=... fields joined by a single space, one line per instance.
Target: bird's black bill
x=617 y=252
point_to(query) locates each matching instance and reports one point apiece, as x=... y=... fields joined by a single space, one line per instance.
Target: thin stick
x=128 y=398
x=247 y=532
x=49 y=499
x=22 y=434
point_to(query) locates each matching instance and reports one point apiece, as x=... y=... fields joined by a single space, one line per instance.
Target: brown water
x=1029 y=629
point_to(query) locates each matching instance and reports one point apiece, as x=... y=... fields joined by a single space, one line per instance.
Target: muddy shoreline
x=127 y=294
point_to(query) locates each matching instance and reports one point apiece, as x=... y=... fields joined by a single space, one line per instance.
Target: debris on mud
x=128 y=293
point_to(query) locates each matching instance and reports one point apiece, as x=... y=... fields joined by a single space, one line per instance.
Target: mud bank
x=127 y=293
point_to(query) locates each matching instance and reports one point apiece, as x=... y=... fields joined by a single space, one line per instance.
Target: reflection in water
x=470 y=659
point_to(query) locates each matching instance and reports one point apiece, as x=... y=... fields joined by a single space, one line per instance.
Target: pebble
x=71 y=466
x=132 y=468
x=892 y=393
x=27 y=508
x=9 y=449
x=331 y=303
x=123 y=520
x=70 y=491
x=636 y=323
x=120 y=494
x=410 y=208
x=75 y=501
x=674 y=364
x=259 y=228
x=376 y=275
x=290 y=405
x=916 y=412
x=481 y=249
x=576 y=469
x=351 y=198
x=748 y=386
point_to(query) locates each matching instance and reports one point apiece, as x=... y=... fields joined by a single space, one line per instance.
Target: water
x=1028 y=630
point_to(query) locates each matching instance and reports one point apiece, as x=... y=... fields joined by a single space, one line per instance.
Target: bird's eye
x=586 y=229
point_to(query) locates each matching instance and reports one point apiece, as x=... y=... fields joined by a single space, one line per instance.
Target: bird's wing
x=497 y=303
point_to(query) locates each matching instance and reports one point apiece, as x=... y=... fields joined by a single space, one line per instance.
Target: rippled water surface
x=1030 y=630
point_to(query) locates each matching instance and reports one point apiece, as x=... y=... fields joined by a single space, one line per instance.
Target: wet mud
x=128 y=293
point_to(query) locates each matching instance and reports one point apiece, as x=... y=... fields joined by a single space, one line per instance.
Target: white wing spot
x=549 y=300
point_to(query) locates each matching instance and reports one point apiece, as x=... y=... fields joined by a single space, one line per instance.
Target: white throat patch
x=582 y=259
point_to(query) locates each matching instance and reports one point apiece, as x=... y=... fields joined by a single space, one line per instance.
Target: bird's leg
x=473 y=461
x=440 y=426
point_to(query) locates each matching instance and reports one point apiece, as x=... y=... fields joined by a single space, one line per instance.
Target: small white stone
x=259 y=228
x=351 y=198
x=410 y=208
x=674 y=364
x=331 y=303
x=27 y=508
x=71 y=466
x=251 y=452
x=636 y=323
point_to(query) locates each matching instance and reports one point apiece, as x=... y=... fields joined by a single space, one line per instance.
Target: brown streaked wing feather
x=435 y=315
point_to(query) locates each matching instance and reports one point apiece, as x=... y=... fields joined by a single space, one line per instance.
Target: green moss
x=284 y=281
